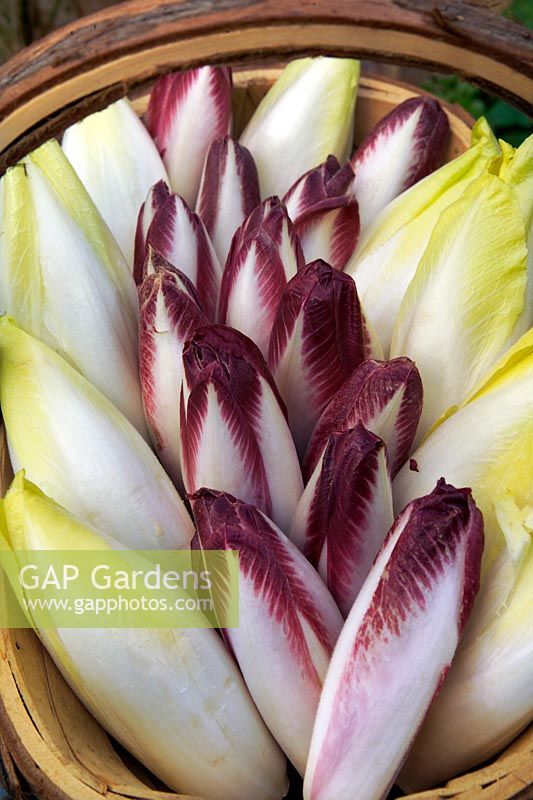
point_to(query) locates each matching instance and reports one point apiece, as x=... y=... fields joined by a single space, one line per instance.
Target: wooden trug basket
x=44 y=730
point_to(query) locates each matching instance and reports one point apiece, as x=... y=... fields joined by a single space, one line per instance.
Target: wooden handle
x=82 y=67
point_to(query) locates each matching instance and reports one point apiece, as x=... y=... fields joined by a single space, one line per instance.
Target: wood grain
x=80 y=68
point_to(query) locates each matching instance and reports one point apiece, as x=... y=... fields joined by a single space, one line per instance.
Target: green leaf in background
x=521 y=11
x=506 y=121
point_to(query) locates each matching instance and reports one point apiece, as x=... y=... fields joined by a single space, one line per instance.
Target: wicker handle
x=82 y=67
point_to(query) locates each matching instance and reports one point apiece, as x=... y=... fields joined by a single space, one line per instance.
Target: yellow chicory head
x=174 y=697
x=391 y=247
x=467 y=297
x=78 y=448
x=64 y=278
x=485 y=443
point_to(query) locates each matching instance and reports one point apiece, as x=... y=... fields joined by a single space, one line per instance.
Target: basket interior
x=57 y=745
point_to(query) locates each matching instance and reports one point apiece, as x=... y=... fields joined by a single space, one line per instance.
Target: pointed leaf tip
x=117 y=162
x=220 y=344
x=386 y=396
x=155 y=198
x=325 y=213
x=181 y=238
x=306 y=116
x=265 y=253
x=346 y=511
x=157 y=264
x=169 y=315
x=318 y=338
x=229 y=192
x=405 y=146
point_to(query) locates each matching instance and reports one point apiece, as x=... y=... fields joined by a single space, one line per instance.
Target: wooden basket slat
x=508 y=777
x=52 y=737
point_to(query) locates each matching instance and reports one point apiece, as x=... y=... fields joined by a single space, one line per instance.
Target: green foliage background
x=506 y=121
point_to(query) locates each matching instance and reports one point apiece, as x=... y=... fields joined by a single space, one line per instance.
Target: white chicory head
x=64 y=278
x=306 y=116
x=79 y=449
x=173 y=697
x=117 y=161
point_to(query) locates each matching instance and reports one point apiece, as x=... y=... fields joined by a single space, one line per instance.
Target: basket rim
x=115 y=48
x=369 y=81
